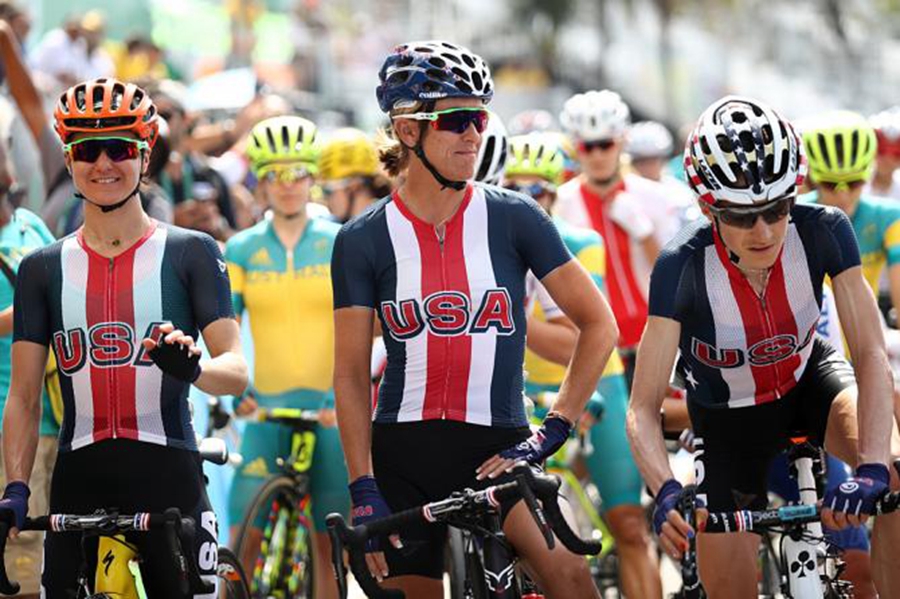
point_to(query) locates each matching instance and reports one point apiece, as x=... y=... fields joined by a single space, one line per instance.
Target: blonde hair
x=393 y=155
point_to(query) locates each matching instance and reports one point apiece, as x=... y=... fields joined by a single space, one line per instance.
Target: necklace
x=116 y=242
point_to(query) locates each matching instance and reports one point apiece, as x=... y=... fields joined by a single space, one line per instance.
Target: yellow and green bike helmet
x=536 y=154
x=840 y=147
x=283 y=141
x=348 y=153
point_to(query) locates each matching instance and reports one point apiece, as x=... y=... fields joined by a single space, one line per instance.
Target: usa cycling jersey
x=96 y=310
x=451 y=307
x=739 y=349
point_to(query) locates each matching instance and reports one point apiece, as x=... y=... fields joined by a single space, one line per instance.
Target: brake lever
x=7 y=587
x=523 y=480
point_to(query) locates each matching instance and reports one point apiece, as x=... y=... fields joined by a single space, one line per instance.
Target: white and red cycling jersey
x=633 y=210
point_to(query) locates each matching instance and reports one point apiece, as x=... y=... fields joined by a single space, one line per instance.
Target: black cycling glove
x=174 y=360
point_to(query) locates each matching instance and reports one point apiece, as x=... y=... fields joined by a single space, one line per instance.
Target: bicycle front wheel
x=232 y=580
x=275 y=543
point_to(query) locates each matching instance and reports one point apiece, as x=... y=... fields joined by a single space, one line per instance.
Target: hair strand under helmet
x=840 y=146
x=427 y=71
x=743 y=152
x=491 y=161
x=106 y=105
x=283 y=140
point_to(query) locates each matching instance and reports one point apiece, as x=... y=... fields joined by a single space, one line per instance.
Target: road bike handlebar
x=527 y=486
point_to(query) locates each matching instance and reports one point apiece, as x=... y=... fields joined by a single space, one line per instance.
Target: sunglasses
x=841 y=185
x=535 y=190
x=285 y=175
x=117 y=149
x=746 y=218
x=586 y=147
x=455 y=120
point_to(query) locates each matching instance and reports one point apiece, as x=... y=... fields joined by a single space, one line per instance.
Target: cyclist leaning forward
x=280 y=277
x=121 y=301
x=443 y=263
x=740 y=296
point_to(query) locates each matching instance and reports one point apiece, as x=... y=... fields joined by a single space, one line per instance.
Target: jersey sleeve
x=237 y=275
x=891 y=238
x=537 y=238
x=31 y=312
x=838 y=247
x=664 y=283
x=352 y=272
x=208 y=284
x=593 y=258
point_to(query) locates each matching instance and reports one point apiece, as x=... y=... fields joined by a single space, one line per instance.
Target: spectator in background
x=60 y=53
x=18 y=20
x=139 y=58
x=98 y=61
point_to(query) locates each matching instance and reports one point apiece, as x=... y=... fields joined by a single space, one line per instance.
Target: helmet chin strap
x=444 y=181
x=110 y=207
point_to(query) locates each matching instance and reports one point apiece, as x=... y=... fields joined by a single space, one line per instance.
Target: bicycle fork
x=499 y=563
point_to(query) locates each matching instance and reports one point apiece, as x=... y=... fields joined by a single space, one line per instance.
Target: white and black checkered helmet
x=744 y=153
x=595 y=115
x=649 y=139
x=491 y=162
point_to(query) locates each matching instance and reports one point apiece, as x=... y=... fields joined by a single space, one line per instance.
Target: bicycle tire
x=232 y=579
x=283 y=562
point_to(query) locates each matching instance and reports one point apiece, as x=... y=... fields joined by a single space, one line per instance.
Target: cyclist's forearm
x=645 y=435
x=875 y=405
x=353 y=403
x=226 y=374
x=21 y=423
x=595 y=344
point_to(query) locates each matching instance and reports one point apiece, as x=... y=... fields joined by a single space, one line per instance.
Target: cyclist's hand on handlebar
x=534 y=450
x=853 y=501
x=327 y=418
x=245 y=404
x=175 y=353
x=15 y=502
x=670 y=526
x=368 y=504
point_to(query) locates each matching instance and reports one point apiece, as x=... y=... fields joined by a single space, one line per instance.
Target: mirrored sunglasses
x=746 y=218
x=116 y=149
x=455 y=120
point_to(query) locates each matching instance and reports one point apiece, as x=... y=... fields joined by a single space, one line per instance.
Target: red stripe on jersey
x=456 y=278
x=777 y=303
x=752 y=315
x=625 y=296
x=97 y=288
x=438 y=371
x=123 y=308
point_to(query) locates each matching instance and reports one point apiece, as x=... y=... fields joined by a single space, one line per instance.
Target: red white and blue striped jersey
x=739 y=349
x=452 y=309
x=95 y=311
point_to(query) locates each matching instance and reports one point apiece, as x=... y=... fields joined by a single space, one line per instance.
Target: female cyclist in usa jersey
x=740 y=295
x=121 y=301
x=442 y=263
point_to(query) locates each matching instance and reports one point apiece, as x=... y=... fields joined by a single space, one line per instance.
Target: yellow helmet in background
x=348 y=153
x=840 y=147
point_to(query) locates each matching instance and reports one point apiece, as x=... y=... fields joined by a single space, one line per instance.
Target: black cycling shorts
x=734 y=447
x=129 y=476
x=419 y=462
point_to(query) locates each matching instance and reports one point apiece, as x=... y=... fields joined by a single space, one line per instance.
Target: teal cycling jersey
x=876 y=223
x=24 y=233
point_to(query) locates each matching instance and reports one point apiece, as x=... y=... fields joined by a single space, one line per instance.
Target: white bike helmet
x=743 y=152
x=491 y=160
x=649 y=139
x=887 y=125
x=595 y=115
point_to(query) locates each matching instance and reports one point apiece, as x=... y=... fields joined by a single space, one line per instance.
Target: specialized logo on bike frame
x=448 y=314
x=104 y=345
x=762 y=353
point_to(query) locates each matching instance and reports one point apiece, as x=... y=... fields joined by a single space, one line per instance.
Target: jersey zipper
x=447 y=340
x=769 y=330
x=110 y=372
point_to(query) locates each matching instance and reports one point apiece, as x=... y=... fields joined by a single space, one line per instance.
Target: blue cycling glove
x=15 y=500
x=174 y=360
x=368 y=504
x=859 y=494
x=542 y=444
x=666 y=500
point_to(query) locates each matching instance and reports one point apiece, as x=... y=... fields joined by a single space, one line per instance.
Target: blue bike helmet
x=431 y=70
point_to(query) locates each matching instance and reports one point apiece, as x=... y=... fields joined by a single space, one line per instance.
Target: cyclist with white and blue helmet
x=443 y=263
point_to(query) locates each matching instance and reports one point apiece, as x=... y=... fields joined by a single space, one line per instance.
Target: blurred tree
x=544 y=19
